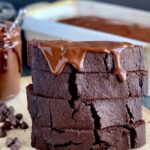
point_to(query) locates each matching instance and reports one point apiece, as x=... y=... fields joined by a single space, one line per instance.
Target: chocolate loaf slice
x=48 y=139
x=109 y=138
x=63 y=114
x=131 y=58
x=89 y=86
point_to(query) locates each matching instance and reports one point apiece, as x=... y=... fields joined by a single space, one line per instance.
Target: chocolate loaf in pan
x=118 y=27
x=116 y=138
x=89 y=86
x=131 y=58
x=67 y=114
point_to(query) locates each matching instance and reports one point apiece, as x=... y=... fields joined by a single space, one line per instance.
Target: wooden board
x=20 y=105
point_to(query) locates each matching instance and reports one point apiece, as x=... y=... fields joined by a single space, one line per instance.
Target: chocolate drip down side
x=60 y=53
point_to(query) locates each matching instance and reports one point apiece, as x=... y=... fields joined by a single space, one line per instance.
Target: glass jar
x=10 y=61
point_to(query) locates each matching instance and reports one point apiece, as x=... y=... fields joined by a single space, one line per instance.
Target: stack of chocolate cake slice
x=86 y=95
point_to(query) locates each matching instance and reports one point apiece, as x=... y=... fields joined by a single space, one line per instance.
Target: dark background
x=140 y=4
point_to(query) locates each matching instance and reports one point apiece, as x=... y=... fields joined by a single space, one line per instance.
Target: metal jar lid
x=7 y=11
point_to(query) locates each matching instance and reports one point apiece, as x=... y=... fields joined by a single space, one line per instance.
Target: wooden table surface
x=20 y=105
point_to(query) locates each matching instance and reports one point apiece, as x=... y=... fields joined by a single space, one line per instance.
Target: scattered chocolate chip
x=13 y=143
x=19 y=116
x=24 y=125
x=1 y=104
x=14 y=147
x=3 y=110
x=11 y=117
x=2 y=118
x=15 y=123
x=2 y=132
x=9 y=142
x=7 y=125
x=8 y=117
x=17 y=142
x=11 y=110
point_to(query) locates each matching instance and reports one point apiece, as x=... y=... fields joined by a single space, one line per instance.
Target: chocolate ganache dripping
x=59 y=53
x=9 y=41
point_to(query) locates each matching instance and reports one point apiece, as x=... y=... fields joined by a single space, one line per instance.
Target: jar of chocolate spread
x=10 y=61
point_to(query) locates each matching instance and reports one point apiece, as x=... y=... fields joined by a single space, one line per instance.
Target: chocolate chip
x=19 y=116
x=11 y=110
x=17 y=142
x=24 y=125
x=11 y=117
x=2 y=118
x=7 y=125
x=2 y=104
x=2 y=132
x=14 y=147
x=3 y=110
x=15 y=123
x=9 y=142
x=14 y=143
x=8 y=117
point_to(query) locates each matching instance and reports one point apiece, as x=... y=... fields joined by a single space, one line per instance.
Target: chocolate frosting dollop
x=60 y=53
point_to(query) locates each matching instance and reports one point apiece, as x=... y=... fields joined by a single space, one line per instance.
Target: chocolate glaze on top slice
x=59 y=53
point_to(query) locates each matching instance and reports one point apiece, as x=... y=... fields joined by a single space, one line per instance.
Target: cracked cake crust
x=89 y=86
x=64 y=116
x=118 y=137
